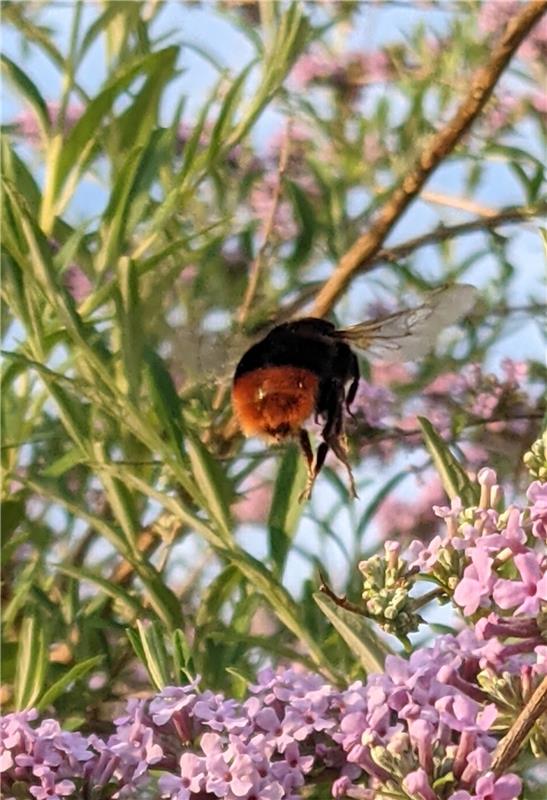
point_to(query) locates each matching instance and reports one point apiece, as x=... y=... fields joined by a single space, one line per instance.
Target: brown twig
x=259 y=260
x=444 y=232
x=460 y=203
x=400 y=433
x=441 y=233
x=340 y=601
x=435 y=150
x=511 y=744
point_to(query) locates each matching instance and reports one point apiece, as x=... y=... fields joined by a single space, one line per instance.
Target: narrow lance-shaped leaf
x=149 y=646
x=216 y=594
x=77 y=672
x=282 y=604
x=128 y=605
x=31 y=660
x=80 y=142
x=356 y=632
x=286 y=510
x=214 y=486
x=29 y=92
x=131 y=326
x=453 y=476
x=182 y=657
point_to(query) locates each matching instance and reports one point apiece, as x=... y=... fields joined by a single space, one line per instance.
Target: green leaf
x=454 y=478
x=307 y=223
x=182 y=656
x=130 y=605
x=165 y=400
x=16 y=15
x=71 y=676
x=285 y=510
x=130 y=198
x=162 y=599
x=64 y=463
x=228 y=109
x=132 y=340
x=213 y=484
x=12 y=512
x=270 y=644
x=282 y=604
x=81 y=141
x=31 y=660
x=356 y=632
x=113 y=9
x=39 y=268
x=290 y=37
x=29 y=92
x=216 y=594
x=149 y=645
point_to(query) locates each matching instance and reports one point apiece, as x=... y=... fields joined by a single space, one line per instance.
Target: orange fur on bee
x=274 y=402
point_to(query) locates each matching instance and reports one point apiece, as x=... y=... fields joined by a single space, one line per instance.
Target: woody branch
x=434 y=152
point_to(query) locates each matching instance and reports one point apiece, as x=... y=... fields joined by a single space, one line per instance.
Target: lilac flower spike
x=430 y=720
x=528 y=593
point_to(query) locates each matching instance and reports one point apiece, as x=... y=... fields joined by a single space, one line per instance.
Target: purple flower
x=537 y=495
x=525 y=594
x=461 y=713
x=417 y=784
x=540 y=667
x=254 y=503
x=170 y=700
x=219 y=714
x=516 y=372
x=77 y=283
x=293 y=768
x=508 y=787
x=422 y=736
x=539 y=101
x=174 y=787
x=268 y=721
x=476 y=585
x=26 y=124
x=52 y=790
x=373 y=402
x=263 y=202
x=495 y=14
x=310 y=67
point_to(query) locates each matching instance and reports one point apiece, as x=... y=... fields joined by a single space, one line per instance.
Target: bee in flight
x=307 y=367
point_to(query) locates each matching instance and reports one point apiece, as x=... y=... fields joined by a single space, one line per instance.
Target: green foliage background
x=120 y=467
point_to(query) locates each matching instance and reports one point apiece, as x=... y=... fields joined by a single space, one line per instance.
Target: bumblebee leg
x=338 y=447
x=352 y=391
x=333 y=433
x=305 y=446
x=314 y=470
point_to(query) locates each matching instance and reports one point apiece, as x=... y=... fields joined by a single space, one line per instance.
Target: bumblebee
x=307 y=367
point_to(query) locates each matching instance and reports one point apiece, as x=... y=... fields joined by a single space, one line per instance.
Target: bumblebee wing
x=410 y=334
x=205 y=358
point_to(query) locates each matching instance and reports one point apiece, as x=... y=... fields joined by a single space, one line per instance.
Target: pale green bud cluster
x=386 y=587
x=536 y=458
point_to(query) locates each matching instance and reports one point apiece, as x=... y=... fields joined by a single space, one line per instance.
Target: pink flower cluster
x=400 y=726
x=52 y=763
x=481 y=395
x=427 y=726
x=26 y=124
x=494 y=16
x=408 y=518
x=345 y=71
x=494 y=565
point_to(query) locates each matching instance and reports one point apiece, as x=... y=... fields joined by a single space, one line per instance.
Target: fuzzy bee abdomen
x=274 y=402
